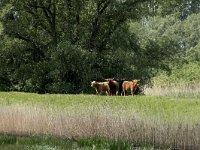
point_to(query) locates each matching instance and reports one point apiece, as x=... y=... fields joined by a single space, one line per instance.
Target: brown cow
x=130 y=86
x=120 y=82
x=113 y=85
x=100 y=86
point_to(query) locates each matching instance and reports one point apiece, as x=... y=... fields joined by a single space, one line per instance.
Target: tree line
x=59 y=46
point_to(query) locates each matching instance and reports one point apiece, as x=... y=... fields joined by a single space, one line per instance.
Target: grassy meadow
x=99 y=122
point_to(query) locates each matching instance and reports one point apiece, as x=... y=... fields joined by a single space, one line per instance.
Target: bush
x=186 y=74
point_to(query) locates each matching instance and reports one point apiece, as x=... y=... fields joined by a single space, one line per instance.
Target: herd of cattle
x=117 y=87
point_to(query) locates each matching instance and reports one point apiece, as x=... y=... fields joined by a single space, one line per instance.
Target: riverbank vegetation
x=142 y=121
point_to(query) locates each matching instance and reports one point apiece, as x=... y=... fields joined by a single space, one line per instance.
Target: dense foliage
x=59 y=46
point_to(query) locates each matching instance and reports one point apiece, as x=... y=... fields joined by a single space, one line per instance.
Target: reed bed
x=180 y=90
x=104 y=122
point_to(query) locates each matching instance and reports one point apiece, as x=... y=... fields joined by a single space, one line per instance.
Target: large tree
x=88 y=23
x=34 y=31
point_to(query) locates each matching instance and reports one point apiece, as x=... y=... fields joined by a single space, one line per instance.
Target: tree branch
x=95 y=24
x=50 y=14
x=107 y=35
x=101 y=10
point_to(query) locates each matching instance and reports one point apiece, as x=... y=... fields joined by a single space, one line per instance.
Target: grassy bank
x=162 y=122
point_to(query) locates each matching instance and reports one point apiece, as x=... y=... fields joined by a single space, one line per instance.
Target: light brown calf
x=100 y=86
x=130 y=86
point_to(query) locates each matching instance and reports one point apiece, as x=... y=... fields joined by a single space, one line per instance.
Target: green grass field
x=151 y=106
x=142 y=121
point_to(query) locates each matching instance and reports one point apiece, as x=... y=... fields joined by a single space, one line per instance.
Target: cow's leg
x=120 y=93
x=108 y=92
x=124 y=92
x=111 y=92
x=115 y=92
x=132 y=92
x=98 y=92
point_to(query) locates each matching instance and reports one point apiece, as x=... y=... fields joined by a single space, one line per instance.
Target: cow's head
x=93 y=83
x=136 y=81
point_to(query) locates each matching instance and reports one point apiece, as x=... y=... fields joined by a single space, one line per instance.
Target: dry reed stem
x=102 y=122
x=173 y=90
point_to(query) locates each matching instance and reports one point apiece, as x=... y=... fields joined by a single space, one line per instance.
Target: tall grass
x=182 y=81
x=173 y=90
x=105 y=118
